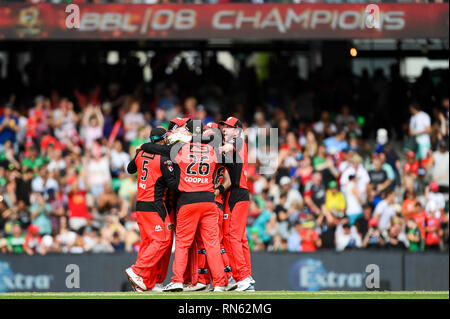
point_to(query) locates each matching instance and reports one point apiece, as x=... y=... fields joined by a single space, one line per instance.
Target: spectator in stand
x=433 y=231
x=303 y=170
x=292 y=195
x=168 y=100
x=132 y=121
x=362 y=223
x=337 y=143
x=373 y=238
x=118 y=158
x=279 y=244
x=279 y=221
x=362 y=177
x=258 y=228
x=327 y=225
x=92 y=125
x=65 y=238
x=33 y=160
x=324 y=127
x=335 y=200
x=390 y=173
x=345 y=119
x=64 y=124
x=414 y=236
x=40 y=215
x=79 y=215
x=353 y=201
x=16 y=241
x=385 y=211
x=117 y=243
x=8 y=125
x=347 y=237
x=409 y=204
x=143 y=134
x=310 y=145
x=440 y=167
x=379 y=181
x=419 y=129
x=304 y=238
x=411 y=166
x=315 y=194
x=97 y=172
x=33 y=242
x=393 y=241
x=432 y=195
x=323 y=163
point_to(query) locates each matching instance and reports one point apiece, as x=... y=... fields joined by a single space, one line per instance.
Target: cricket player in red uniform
x=177 y=125
x=155 y=174
x=222 y=182
x=237 y=205
x=197 y=163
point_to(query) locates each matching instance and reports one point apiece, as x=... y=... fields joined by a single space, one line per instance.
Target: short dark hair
x=414 y=104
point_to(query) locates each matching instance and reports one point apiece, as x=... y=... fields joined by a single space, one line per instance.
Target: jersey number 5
x=144 y=170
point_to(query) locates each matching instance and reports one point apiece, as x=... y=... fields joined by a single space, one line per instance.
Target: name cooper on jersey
x=197 y=180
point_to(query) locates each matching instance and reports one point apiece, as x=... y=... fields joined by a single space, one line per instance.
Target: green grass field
x=233 y=295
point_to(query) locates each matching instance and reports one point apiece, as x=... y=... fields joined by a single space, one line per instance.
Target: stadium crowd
x=216 y=1
x=349 y=174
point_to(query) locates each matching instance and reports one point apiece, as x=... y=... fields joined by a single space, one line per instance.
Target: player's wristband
x=221 y=188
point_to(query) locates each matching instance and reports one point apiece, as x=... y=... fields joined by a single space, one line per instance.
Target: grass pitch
x=232 y=295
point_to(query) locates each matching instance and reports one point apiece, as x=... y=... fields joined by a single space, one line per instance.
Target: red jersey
x=421 y=219
x=78 y=206
x=432 y=237
x=308 y=236
x=197 y=164
x=412 y=168
x=155 y=174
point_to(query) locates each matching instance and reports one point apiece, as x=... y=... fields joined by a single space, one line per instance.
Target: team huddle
x=192 y=181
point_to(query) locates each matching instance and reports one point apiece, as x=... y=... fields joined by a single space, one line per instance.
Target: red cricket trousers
x=191 y=273
x=235 y=240
x=203 y=216
x=156 y=242
x=205 y=276
x=163 y=266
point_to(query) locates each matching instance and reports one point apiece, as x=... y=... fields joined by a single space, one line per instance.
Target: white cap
x=382 y=136
x=285 y=180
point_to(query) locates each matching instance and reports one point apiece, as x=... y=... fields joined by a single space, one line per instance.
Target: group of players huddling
x=192 y=180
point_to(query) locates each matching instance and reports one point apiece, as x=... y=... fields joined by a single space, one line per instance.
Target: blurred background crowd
x=218 y=1
x=362 y=160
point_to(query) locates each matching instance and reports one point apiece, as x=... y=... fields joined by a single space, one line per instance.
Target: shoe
x=251 y=288
x=135 y=288
x=173 y=287
x=135 y=279
x=219 y=289
x=252 y=280
x=158 y=287
x=232 y=284
x=244 y=284
x=197 y=287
